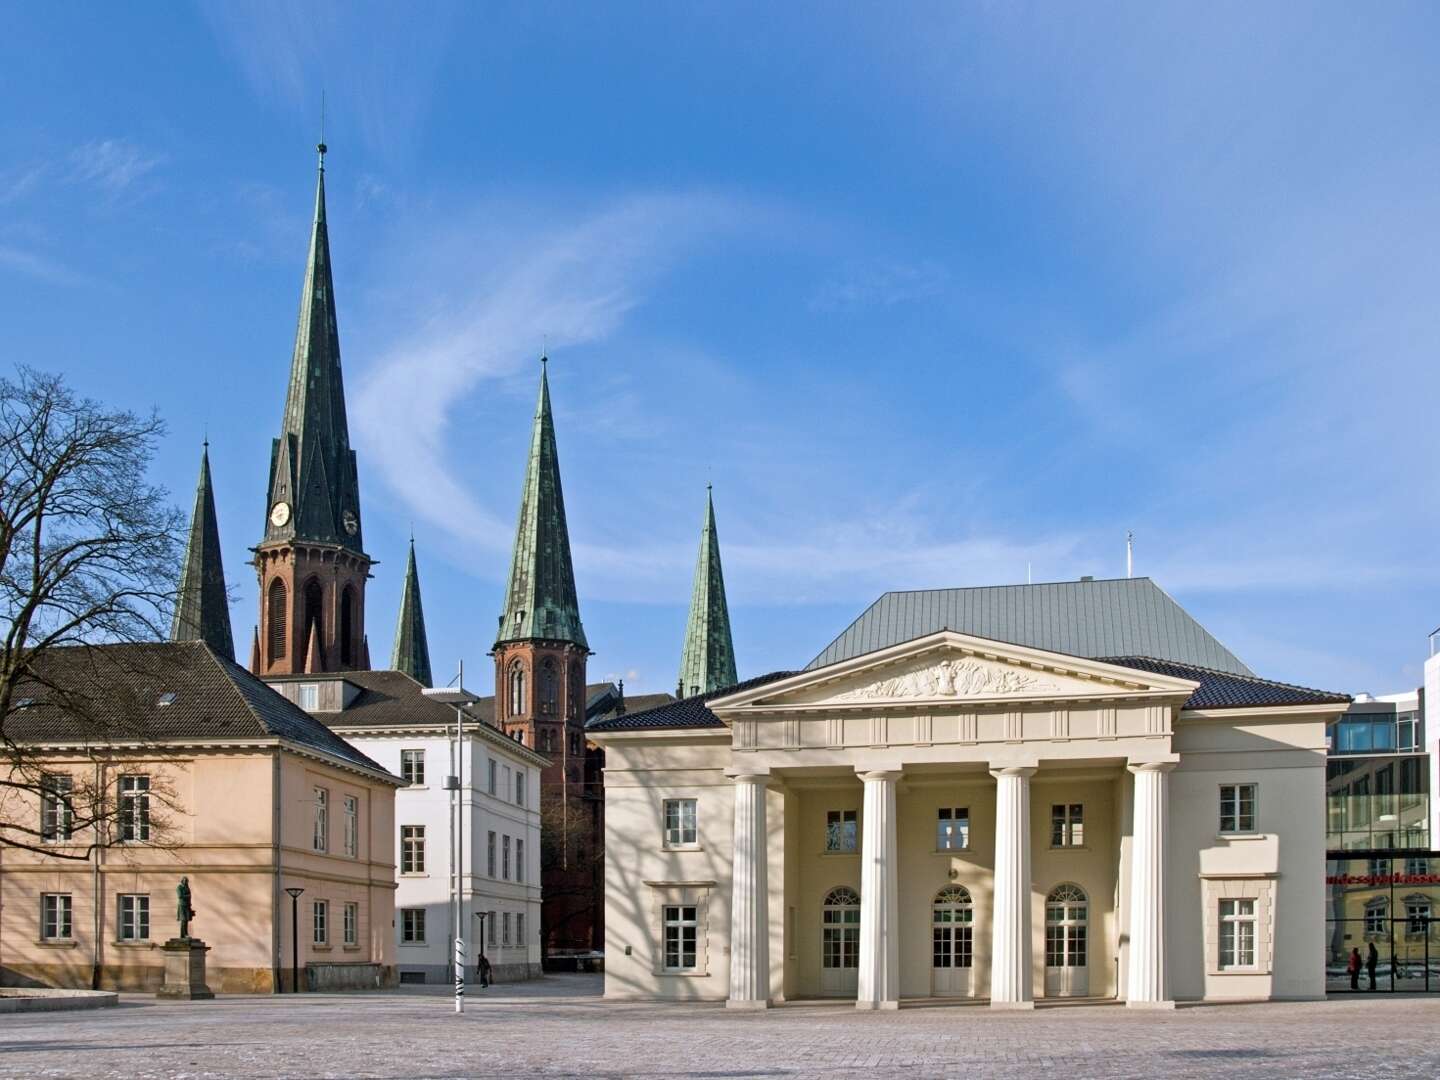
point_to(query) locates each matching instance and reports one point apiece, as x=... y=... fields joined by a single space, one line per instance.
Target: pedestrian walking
x=483 y=970
x=1354 y=969
x=1371 y=962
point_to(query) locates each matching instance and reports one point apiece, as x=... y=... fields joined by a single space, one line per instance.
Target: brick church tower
x=540 y=654
x=312 y=565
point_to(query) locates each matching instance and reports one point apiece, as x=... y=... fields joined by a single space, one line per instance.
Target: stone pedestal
x=185 y=970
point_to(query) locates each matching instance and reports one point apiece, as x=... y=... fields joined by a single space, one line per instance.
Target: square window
x=1067 y=825
x=842 y=830
x=952 y=828
x=680 y=823
x=412 y=925
x=412 y=767
x=309 y=696
x=55 y=911
x=134 y=917
x=1237 y=807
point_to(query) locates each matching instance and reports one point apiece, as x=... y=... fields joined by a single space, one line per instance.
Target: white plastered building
x=1006 y=794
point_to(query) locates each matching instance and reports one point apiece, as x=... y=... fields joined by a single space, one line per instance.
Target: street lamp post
x=480 y=967
x=294 y=892
x=458 y=696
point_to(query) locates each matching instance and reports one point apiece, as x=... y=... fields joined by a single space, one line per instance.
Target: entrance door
x=840 y=944
x=952 y=937
x=1067 y=971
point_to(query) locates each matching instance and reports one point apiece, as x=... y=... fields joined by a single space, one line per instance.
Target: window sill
x=1240 y=836
x=133 y=943
x=681 y=847
x=322 y=948
x=413 y=874
x=1069 y=847
x=58 y=943
x=416 y=787
x=953 y=850
x=695 y=974
x=413 y=945
x=352 y=948
x=1240 y=971
x=840 y=854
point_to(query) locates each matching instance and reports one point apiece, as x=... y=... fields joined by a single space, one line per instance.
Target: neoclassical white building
x=1007 y=794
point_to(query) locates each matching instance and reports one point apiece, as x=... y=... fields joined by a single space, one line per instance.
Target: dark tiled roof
x=1225 y=690
x=391 y=699
x=113 y=693
x=1120 y=617
x=690 y=712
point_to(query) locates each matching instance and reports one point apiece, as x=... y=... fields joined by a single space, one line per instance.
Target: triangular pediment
x=947 y=668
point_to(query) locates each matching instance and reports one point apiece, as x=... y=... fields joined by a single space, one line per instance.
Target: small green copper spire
x=708 y=660
x=540 y=599
x=202 y=606
x=412 y=652
x=314 y=486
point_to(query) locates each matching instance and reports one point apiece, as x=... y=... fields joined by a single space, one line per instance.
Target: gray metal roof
x=1117 y=617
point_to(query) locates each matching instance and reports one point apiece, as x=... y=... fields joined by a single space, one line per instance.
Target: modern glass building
x=1382 y=878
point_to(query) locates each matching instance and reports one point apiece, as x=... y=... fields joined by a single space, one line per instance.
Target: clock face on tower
x=350 y=521
x=280 y=514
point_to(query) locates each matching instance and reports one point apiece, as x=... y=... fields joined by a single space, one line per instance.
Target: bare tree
x=88 y=552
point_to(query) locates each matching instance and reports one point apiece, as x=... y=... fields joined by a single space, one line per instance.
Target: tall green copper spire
x=202 y=607
x=540 y=600
x=314 y=487
x=411 y=653
x=708 y=659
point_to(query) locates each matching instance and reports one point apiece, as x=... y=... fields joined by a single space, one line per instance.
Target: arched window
x=952 y=928
x=275 y=615
x=517 y=689
x=840 y=941
x=547 y=686
x=347 y=625
x=314 y=618
x=1066 y=918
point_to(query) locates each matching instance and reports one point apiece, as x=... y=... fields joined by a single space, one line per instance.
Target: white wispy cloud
x=113 y=165
x=40 y=267
x=883 y=283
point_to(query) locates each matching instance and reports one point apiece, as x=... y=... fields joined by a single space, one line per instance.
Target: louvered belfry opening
x=314 y=618
x=347 y=626
x=276 y=620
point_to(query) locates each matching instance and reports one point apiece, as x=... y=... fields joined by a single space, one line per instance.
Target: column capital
x=1151 y=766
x=760 y=779
x=879 y=774
x=1025 y=771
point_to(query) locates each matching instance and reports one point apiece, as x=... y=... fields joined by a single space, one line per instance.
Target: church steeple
x=312 y=565
x=540 y=600
x=314 y=486
x=411 y=653
x=202 y=607
x=707 y=661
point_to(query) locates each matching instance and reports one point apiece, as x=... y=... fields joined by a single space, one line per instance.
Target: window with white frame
x=55 y=911
x=1377 y=916
x=490 y=853
x=320 y=915
x=309 y=696
x=135 y=808
x=680 y=926
x=412 y=767
x=412 y=849
x=520 y=859
x=412 y=925
x=520 y=788
x=841 y=830
x=952 y=828
x=1237 y=934
x=57 y=810
x=351 y=806
x=320 y=839
x=1417 y=916
x=505 y=928
x=494 y=775
x=133 y=917
x=1237 y=807
x=350 y=922
x=505 y=858
x=1067 y=825
x=681 y=829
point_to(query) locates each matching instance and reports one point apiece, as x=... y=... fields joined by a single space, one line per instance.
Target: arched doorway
x=952 y=943
x=840 y=943
x=1067 y=964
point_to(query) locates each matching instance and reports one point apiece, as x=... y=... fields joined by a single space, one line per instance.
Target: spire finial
x=320 y=146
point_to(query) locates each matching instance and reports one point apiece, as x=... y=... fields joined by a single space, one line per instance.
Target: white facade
x=958 y=817
x=500 y=796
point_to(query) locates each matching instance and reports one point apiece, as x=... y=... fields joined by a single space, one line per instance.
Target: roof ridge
x=1017 y=585
x=1117 y=660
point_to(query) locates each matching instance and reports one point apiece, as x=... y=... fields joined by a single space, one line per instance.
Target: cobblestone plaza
x=560 y=1027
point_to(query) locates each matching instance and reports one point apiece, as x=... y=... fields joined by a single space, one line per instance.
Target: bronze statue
x=183 y=911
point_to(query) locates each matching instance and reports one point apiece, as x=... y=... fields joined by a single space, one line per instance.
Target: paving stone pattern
x=559 y=1027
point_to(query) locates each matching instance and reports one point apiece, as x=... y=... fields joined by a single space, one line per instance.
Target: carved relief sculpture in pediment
x=953 y=679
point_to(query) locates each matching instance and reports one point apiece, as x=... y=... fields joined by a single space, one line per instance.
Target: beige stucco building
x=217 y=778
x=1085 y=795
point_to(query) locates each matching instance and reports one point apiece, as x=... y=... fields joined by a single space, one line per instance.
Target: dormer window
x=309 y=696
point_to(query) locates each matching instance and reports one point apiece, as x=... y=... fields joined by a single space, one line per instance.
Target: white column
x=879 y=895
x=1148 y=985
x=1012 y=980
x=750 y=899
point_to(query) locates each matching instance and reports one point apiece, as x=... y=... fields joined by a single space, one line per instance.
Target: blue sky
x=932 y=293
